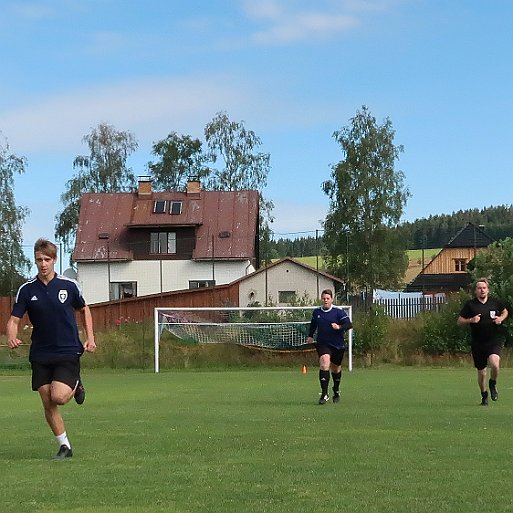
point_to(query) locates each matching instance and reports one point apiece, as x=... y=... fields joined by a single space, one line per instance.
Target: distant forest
x=433 y=232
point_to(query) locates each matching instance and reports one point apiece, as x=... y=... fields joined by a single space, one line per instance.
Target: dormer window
x=159 y=207
x=175 y=208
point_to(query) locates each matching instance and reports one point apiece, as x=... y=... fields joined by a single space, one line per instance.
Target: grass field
x=401 y=440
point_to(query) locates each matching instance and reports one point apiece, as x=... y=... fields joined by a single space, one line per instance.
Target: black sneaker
x=484 y=398
x=336 y=397
x=79 y=393
x=324 y=399
x=493 y=391
x=64 y=452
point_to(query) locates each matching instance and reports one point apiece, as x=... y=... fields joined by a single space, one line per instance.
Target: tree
x=14 y=265
x=180 y=158
x=496 y=263
x=103 y=170
x=243 y=167
x=367 y=198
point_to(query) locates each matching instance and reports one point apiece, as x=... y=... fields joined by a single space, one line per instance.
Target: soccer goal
x=273 y=327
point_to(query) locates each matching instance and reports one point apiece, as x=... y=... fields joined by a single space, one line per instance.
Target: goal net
x=274 y=328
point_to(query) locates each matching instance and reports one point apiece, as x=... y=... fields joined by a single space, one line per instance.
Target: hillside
x=414 y=259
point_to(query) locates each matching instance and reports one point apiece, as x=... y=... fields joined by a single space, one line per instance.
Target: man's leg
x=324 y=377
x=494 y=364
x=52 y=395
x=336 y=374
x=481 y=381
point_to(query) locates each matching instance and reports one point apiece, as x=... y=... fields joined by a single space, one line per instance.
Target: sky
x=292 y=71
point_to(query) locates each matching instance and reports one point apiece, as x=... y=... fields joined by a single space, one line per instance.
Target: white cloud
x=58 y=122
x=150 y=108
x=305 y=26
x=285 y=21
x=32 y=10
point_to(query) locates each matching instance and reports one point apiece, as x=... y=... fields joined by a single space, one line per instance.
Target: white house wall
x=284 y=277
x=153 y=277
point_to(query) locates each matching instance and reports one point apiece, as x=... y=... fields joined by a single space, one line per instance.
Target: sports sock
x=492 y=382
x=63 y=440
x=484 y=394
x=337 y=376
x=324 y=379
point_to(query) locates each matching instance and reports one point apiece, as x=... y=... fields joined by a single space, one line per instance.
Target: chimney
x=193 y=187
x=144 y=187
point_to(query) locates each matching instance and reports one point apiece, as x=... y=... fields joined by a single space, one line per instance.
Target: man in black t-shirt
x=484 y=315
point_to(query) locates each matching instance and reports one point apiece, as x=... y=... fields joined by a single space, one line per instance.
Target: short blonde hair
x=46 y=247
x=482 y=280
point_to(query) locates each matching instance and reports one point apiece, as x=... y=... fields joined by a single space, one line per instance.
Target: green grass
x=401 y=440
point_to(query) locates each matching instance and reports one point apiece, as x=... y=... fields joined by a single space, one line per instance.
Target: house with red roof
x=131 y=244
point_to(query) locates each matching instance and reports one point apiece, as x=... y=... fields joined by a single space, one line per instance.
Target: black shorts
x=65 y=371
x=336 y=354
x=480 y=354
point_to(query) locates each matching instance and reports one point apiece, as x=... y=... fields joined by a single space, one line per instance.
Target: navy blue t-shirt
x=321 y=322
x=51 y=310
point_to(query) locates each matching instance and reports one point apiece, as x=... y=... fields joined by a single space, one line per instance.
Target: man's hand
x=14 y=343
x=90 y=346
x=475 y=319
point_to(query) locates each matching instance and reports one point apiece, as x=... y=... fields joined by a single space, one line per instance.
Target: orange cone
x=303 y=370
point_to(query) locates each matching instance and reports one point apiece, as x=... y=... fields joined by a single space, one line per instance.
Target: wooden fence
x=112 y=313
x=137 y=309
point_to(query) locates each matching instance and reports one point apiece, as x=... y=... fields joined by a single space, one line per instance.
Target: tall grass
x=401 y=440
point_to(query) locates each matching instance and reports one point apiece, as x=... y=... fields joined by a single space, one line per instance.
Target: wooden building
x=447 y=272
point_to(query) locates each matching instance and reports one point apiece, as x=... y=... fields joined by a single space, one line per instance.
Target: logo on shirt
x=33 y=298
x=63 y=295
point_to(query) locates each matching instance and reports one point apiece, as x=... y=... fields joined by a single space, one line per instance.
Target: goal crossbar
x=218 y=325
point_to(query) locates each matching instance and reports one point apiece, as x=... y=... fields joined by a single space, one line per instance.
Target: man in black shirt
x=485 y=314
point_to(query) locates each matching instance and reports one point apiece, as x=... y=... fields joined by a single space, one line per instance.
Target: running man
x=330 y=323
x=51 y=301
x=484 y=315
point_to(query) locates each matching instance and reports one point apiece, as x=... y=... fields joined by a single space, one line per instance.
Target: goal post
x=272 y=327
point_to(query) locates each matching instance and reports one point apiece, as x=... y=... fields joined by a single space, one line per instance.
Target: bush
x=440 y=334
x=370 y=328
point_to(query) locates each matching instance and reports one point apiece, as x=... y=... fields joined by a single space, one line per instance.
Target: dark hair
x=327 y=291
x=46 y=247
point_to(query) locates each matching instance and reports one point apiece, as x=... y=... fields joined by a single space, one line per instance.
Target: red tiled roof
x=226 y=220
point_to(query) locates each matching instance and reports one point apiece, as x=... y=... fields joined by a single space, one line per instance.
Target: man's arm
x=346 y=323
x=12 y=332
x=87 y=323
x=311 y=330
x=499 y=319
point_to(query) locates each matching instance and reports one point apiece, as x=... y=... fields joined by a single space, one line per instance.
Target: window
x=163 y=243
x=175 y=208
x=122 y=290
x=286 y=296
x=159 y=207
x=201 y=284
x=460 y=264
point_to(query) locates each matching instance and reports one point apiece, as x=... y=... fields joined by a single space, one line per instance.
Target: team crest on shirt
x=63 y=295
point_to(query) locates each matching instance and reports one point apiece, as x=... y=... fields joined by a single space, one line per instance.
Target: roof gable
x=225 y=223
x=293 y=261
x=470 y=236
